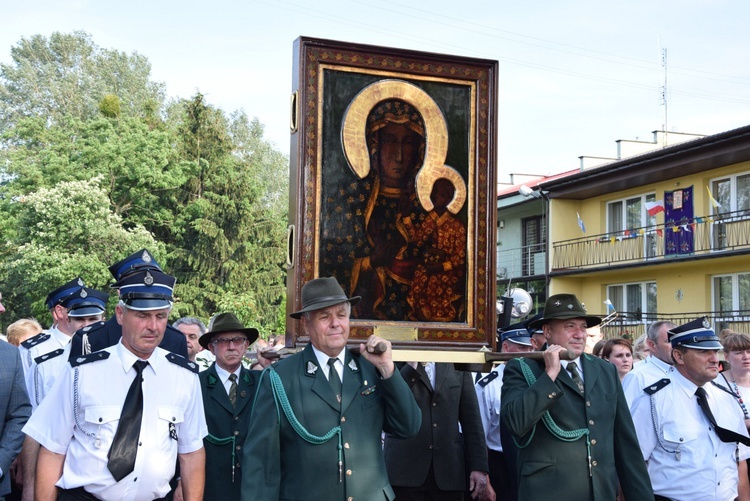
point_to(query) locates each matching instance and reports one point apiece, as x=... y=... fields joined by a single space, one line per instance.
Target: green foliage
x=94 y=166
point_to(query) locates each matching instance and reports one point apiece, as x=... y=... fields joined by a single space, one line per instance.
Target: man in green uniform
x=570 y=418
x=315 y=431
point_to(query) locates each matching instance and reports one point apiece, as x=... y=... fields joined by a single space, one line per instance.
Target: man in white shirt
x=656 y=366
x=117 y=420
x=692 y=452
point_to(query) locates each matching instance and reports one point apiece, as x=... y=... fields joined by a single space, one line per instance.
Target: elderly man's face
x=192 y=333
x=328 y=328
x=568 y=333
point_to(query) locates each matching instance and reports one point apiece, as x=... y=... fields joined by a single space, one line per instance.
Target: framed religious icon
x=392 y=183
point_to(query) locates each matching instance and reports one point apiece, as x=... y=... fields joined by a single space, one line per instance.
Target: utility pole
x=663 y=100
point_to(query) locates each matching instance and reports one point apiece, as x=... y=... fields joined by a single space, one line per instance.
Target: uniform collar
x=660 y=364
x=684 y=383
x=59 y=335
x=224 y=375
x=128 y=358
x=322 y=358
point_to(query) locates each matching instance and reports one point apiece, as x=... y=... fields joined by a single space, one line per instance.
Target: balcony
x=521 y=262
x=634 y=324
x=701 y=236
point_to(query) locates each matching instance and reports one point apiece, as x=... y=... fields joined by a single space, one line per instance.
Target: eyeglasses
x=227 y=340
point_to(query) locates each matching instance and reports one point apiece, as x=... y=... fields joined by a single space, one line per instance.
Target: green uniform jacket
x=280 y=465
x=225 y=422
x=551 y=467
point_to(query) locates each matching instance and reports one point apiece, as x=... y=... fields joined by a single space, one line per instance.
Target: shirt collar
x=323 y=358
x=59 y=335
x=224 y=374
x=660 y=364
x=684 y=383
x=128 y=358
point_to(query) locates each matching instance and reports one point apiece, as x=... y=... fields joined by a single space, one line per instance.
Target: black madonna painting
x=394 y=189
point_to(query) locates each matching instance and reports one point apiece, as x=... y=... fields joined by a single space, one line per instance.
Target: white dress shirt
x=57 y=340
x=686 y=460
x=651 y=370
x=173 y=423
x=488 y=396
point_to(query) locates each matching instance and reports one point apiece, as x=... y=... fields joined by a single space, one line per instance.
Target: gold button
x=591 y=422
x=434 y=425
x=348 y=473
x=343 y=419
x=236 y=432
x=350 y=498
x=588 y=403
x=551 y=395
x=434 y=404
x=593 y=441
x=346 y=445
x=593 y=463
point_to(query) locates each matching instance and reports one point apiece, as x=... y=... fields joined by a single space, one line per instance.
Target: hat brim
x=319 y=305
x=147 y=304
x=251 y=333
x=522 y=340
x=591 y=321
x=86 y=311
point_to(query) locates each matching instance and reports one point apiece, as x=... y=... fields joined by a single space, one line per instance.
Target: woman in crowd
x=619 y=352
x=641 y=349
x=737 y=378
x=21 y=330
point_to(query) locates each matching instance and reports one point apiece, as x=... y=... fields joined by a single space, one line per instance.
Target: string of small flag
x=653 y=208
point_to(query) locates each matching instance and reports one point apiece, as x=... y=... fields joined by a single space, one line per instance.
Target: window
x=534 y=243
x=629 y=214
x=731 y=293
x=636 y=301
x=732 y=193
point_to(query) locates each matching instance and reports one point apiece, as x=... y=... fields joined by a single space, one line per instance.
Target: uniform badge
x=570 y=306
x=172 y=431
x=369 y=390
x=311 y=368
x=146 y=257
x=148 y=279
x=83 y=293
x=353 y=365
x=706 y=323
x=557 y=303
x=80 y=282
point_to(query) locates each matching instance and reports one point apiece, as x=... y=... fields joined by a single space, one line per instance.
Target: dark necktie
x=571 y=368
x=233 y=390
x=333 y=378
x=125 y=444
x=724 y=434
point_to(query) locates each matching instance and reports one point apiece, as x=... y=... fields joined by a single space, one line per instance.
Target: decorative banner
x=580 y=223
x=711 y=199
x=678 y=213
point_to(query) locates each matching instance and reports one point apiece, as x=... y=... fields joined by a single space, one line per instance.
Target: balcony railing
x=705 y=235
x=520 y=262
x=634 y=324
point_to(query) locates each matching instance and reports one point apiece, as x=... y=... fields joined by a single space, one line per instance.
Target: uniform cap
x=146 y=290
x=86 y=302
x=58 y=295
x=696 y=334
x=138 y=261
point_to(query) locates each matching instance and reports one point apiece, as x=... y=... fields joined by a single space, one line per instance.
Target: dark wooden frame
x=317 y=63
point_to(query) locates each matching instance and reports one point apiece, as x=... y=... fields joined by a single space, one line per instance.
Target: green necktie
x=333 y=378
x=571 y=368
x=233 y=390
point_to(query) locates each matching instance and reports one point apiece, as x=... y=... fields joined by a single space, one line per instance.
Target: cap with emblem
x=696 y=334
x=86 y=302
x=58 y=295
x=146 y=290
x=138 y=261
x=563 y=307
x=516 y=333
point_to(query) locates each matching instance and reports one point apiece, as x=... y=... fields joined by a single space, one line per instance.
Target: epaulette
x=662 y=383
x=488 y=379
x=90 y=327
x=182 y=362
x=91 y=357
x=35 y=340
x=48 y=356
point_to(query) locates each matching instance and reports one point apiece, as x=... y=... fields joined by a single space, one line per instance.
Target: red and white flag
x=653 y=208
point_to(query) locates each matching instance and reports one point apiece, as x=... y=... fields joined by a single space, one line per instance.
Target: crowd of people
x=110 y=409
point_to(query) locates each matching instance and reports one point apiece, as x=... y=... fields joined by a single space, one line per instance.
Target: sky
x=574 y=76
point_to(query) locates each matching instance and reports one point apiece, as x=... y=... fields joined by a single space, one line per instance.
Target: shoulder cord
x=280 y=398
x=36 y=383
x=549 y=423
x=676 y=451
x=75 y=407
x=223 y=441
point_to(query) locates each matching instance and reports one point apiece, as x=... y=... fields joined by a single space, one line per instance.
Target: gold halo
x=353 y=132
x=425 y=180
